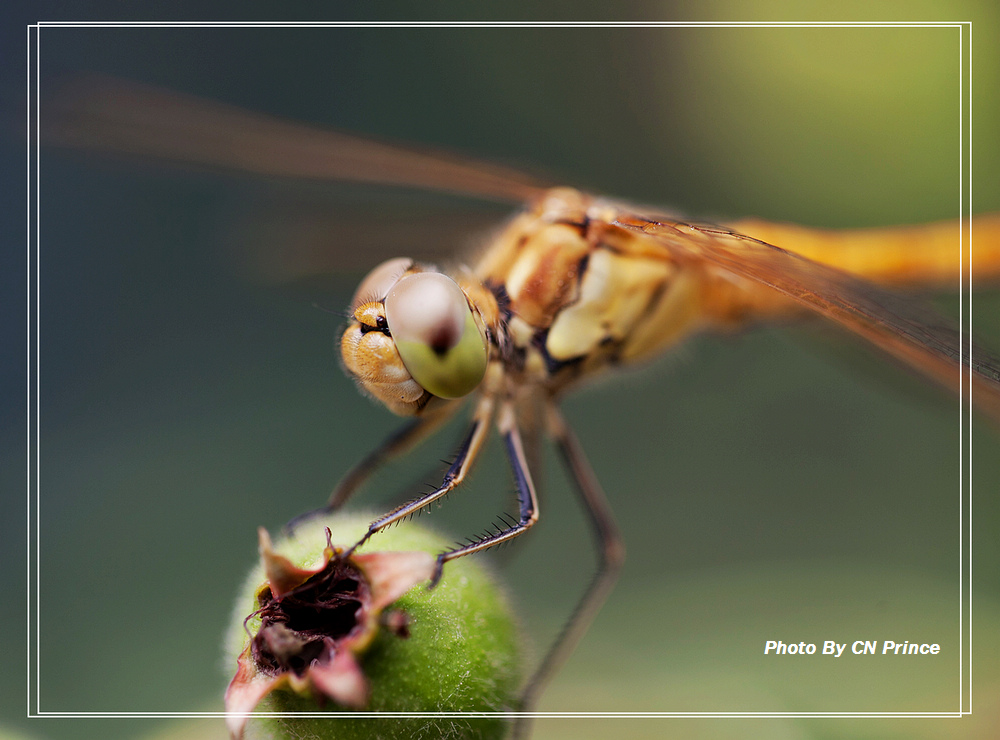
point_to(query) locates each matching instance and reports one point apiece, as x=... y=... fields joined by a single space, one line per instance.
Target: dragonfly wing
x=114 y=115
x=277 y=238
x=900 y=325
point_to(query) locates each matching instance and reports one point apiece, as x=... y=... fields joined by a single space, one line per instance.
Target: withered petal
x=282 y=573
x=341 y=679
x=392 y=574
x=245 y=691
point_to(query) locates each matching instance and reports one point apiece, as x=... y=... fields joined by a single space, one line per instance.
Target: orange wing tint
x=903 y=327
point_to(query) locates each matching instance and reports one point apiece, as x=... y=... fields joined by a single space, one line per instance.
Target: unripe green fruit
x=462 y=652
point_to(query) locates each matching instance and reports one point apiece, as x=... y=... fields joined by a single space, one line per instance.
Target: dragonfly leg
x=396 y=444
x=527 y=499
x=455 y=474
x=611 y=557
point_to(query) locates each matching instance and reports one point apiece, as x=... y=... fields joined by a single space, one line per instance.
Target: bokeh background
x=783 y=483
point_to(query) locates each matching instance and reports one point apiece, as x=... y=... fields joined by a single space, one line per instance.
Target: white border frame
x=33 y=280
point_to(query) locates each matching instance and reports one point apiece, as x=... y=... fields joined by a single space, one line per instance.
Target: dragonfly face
x=414 y=336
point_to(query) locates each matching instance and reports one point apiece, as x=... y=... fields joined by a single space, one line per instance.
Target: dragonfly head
x=413 y=335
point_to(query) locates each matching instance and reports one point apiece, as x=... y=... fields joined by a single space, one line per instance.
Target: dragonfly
x=574 y=286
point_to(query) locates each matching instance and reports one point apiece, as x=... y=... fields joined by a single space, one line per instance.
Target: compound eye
x=435 y=334
x=379 y=281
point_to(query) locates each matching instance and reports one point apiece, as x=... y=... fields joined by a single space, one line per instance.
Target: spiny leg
x=526 y=497
x=464 y=459
x=611 y=557
x=396 y=444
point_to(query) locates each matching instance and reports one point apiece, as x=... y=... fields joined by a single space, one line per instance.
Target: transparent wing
x=113 y=115
x=275 y=237
x=904 y=327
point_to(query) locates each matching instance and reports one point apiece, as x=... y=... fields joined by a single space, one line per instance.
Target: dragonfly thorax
x=581 y=293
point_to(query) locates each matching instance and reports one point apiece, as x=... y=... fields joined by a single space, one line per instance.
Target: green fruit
x=462 y=653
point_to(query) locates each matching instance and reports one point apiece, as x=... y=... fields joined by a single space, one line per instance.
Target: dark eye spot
x=443 y=338
x=380 y=325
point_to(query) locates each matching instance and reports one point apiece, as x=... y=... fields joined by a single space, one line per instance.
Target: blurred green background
x=779 y=484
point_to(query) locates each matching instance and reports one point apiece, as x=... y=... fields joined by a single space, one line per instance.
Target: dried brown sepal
x=315 y=621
